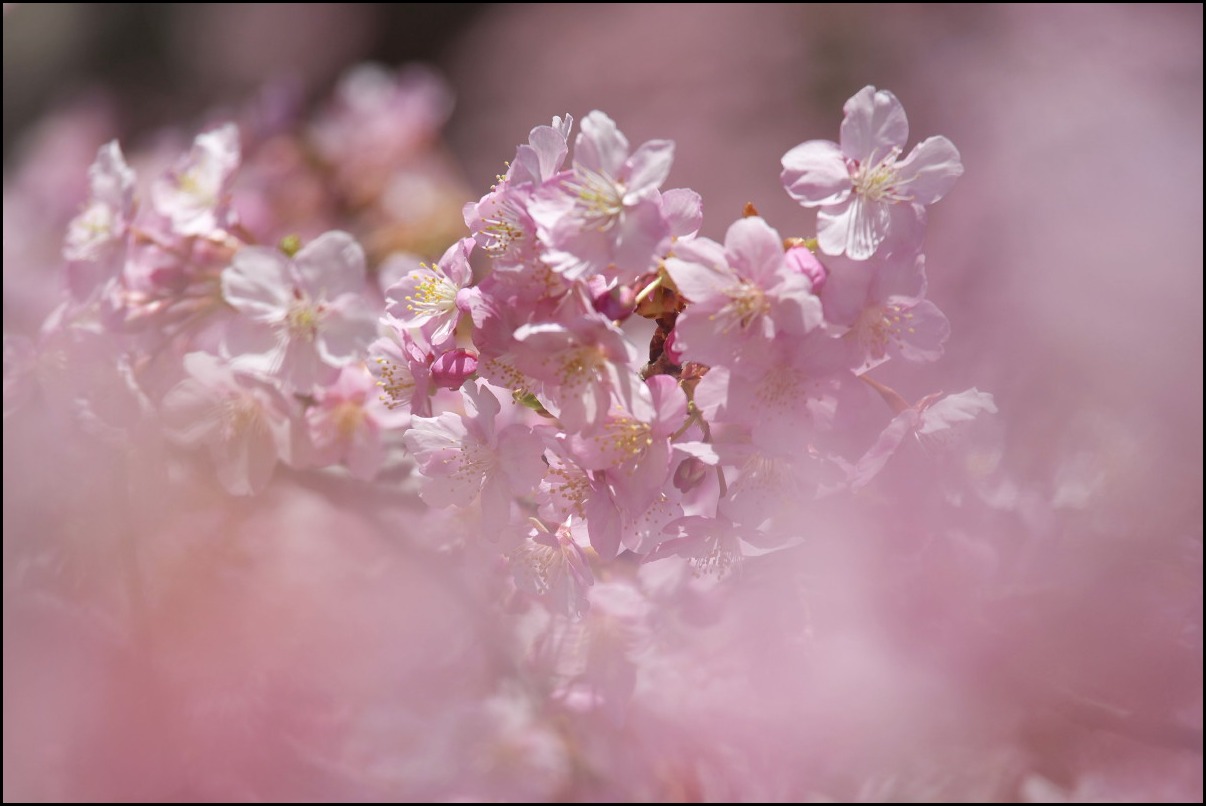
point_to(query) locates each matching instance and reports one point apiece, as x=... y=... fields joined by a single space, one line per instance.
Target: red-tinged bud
x=689 y=473
x=802 y=259
x=670 y=348
x=453 y=368
x=615 y=303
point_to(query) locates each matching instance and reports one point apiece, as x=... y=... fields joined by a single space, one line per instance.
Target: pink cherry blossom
x=244 y=422
x=347 y=422
x=554 y=566
x=501 y=222
x=194 y=195
x=582 y=366
x=95 y=236
x=881 y=302
x=402 y=367
x=784 y=400
x=427 y=296
x=605 y=216
x=864 y=194
x=741 y=295
x=632 y=446
x=302 y=318
x=933 y=419
x=464 y=456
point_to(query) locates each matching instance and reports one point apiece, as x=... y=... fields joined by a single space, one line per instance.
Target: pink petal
x=649 y=166
x=875 y=123
x=641 y=231
x=930 y=170
x=699 y=269
x=683 y=210
x=755 y=251
x=815 y=173
x=331 y=264
x=257 y=283
x=600 y=145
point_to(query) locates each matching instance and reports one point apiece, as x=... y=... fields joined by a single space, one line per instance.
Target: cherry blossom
x=427 y=296
x=244 y=422
x=95 y=236
x=864 y=193
x=582 y=366
x=194 y=195
x=347 y=424
x=741 y=295
x=302 y=318
x=605 y=216
x=463 y=455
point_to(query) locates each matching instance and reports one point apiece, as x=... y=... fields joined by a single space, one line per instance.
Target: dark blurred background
x=166 y=63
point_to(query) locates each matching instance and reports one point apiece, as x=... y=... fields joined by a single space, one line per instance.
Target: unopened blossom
x=866 y=193
x=452 y=368
x=605 y=216
x=194 y=194
x=244 y=422
x=302 y=318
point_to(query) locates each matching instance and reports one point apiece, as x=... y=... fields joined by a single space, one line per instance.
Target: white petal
x=257 y=283
x=815 y=173
x=331 y=264
x=875 y=123
x=930 y=170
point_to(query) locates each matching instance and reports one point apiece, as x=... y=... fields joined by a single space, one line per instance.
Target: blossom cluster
x=595 y=426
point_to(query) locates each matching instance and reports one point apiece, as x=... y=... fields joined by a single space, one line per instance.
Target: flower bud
x=802 y=259
x=615 y=303
x=689 y=473
x=451 y=369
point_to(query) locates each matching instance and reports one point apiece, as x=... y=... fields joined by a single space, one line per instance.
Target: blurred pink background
x=1068 y=259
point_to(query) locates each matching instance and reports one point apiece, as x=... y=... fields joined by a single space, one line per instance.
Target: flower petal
x=330 y=265
x=257 y=283
x=930 y=170
x=815 y=173
x=875 y=123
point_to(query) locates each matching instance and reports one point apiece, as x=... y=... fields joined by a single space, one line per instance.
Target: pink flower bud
x=615 y=303
x=689 y=474
x=453 y=368
x=670 y=348
x=802 y=259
